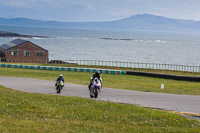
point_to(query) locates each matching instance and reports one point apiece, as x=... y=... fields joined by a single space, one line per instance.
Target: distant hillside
x=144 y=22
x=10 y=34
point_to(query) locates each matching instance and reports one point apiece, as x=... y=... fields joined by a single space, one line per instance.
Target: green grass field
x=24 y=112
x=129 y=82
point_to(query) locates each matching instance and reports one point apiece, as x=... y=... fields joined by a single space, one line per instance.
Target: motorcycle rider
x=96 y=75
x=60 y=78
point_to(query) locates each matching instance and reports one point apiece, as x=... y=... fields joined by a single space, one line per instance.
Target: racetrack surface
x=172 y=102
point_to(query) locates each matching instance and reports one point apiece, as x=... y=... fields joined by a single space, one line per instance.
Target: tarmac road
x=172 y=102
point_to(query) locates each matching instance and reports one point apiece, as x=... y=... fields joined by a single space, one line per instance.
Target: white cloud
x=87 y=6
x=26 y=3
x=79 y=3
x=14 y=3
x=123 y=12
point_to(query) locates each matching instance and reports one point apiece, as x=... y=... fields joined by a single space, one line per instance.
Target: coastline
x=5 y=34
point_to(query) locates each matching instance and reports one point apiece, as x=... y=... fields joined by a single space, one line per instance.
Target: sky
x=98 y=10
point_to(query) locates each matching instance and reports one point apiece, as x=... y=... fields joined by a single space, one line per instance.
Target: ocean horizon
x=114 y=45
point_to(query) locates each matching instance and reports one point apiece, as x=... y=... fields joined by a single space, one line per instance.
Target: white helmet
x=61 y=75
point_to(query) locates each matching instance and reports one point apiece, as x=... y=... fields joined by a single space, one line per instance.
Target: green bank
x=25 y=112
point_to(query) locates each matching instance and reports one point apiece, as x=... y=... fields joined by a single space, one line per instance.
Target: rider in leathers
x=60 y=78
x=96 y=75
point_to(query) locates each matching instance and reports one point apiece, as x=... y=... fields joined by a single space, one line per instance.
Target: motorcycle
x=59 y=86
x=95 y=88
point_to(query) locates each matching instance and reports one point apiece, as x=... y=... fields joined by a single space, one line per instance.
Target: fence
x=172 y=67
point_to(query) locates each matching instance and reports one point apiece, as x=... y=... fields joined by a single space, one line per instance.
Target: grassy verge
x=25 y=112
x=138 y=83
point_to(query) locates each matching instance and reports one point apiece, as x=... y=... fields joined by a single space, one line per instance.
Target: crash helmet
x=61 y=75
x=97 y=73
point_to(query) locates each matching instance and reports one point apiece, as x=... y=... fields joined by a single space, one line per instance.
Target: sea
x=114 y=45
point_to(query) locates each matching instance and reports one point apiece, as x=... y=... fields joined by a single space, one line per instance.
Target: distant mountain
x=143 y=22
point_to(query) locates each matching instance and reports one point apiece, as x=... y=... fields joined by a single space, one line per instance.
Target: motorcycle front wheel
x=58 y=89
x=91 y=92
x=95 y=92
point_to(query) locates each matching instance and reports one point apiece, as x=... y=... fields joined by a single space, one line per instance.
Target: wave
x=36 y=38
x=63 y=37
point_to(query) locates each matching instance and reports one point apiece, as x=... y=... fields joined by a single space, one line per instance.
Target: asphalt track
x=171 y=102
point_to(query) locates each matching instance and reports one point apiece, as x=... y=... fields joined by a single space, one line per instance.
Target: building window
x=27 y=53
x=39 y=53
x=14 y=53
